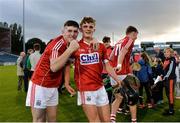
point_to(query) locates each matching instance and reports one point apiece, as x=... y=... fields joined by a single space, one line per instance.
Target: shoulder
x=56 y=42
x=102 y=46
x=127 y=40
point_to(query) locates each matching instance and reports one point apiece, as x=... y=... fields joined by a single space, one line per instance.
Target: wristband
x=119 y=66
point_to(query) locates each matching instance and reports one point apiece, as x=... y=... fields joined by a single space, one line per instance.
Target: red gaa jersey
x=109 y=50
x=126 y=62
x=88 y=66
x=42 y=75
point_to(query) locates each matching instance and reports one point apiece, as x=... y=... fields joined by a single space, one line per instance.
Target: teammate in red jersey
x=42 y=93
x=121 y=62
x=89 y=60
x=106 y=78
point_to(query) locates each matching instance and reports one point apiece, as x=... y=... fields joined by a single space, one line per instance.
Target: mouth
x=88 y=33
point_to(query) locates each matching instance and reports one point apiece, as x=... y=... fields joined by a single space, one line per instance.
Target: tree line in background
x=17 y=39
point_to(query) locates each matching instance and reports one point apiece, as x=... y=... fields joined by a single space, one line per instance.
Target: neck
x=87 y=40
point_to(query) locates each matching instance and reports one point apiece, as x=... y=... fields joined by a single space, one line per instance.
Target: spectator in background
x=157 y=89
x=169 y=67
x=144 y=77
x=159 y=53
x=20 y=72
x=136 y=56
x=177 y=85
x=26 y=70
x=34 y=58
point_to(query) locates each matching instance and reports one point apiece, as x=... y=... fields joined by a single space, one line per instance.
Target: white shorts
x=41 y=97
x=120 y=77
x=98 y=97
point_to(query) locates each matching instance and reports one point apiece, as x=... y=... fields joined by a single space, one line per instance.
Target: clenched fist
x=73 y=45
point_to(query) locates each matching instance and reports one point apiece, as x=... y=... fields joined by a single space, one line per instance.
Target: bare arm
x=67 y=80
x=112 y=73
x=124 y=51
x=122 y=54
x=59 y=62
x=67 y=71
x=112 y=55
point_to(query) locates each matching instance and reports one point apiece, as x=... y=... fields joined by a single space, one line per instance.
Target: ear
x=94 y=29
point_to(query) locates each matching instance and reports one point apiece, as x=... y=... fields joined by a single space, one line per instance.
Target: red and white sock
x=113 y=118
x=119 y=110
x=133 y=120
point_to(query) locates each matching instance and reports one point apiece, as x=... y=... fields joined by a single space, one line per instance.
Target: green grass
x=12 y=104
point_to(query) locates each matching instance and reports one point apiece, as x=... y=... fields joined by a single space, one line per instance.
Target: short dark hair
x=106 y=39
x=71 y=23
x=131 y=29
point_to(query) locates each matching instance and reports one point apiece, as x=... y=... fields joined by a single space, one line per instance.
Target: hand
x=118 y=68
x=161 y=79
x=119 y=84
x=70 y=89
x=73 y=45
x=95 y=44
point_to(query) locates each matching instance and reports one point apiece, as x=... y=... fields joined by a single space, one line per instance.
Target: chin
x=88 y=36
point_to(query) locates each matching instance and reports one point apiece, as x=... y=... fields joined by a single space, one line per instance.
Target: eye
x=75 y=31
x=85 y=26
x=91 y=27
x=69 y=30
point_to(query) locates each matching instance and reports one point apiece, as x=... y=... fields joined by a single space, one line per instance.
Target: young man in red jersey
x=42 y=93
x=121 y=62
x=106 y=78
x=89 y=60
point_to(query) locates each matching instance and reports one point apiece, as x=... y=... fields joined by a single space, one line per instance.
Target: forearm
x=59 y=62
x=111 y=72
x=169 y=71
x=67 y=74
x=123 y=51
x=112 y=55
x=121 y=56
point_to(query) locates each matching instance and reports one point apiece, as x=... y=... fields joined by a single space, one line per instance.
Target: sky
x=156 y=20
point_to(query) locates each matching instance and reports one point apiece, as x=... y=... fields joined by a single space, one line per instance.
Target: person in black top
x=169 y=77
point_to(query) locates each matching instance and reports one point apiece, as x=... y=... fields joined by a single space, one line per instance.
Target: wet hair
x=106 y=39
x=88 y=20
x=71 y=23
x=131 y=29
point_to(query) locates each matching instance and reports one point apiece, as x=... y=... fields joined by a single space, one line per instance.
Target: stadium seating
x=7 y=59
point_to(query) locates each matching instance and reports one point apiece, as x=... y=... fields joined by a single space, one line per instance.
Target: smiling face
x=70 y=33
x=87 y=30
x=167 y=53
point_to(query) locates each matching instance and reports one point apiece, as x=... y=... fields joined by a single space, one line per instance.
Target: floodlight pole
x=113 y=38
x=24 y=25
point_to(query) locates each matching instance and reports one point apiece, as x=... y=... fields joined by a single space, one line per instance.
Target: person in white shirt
x=34 y=57
x=20 y=72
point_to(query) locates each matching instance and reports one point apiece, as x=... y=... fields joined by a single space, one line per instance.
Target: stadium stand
x=7 y=58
